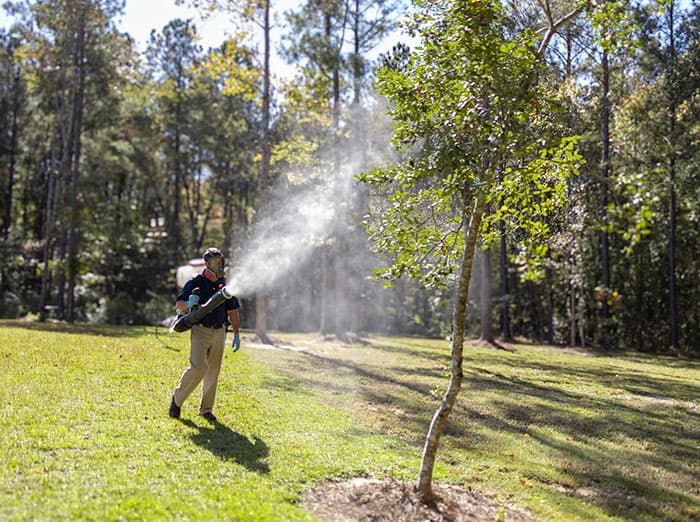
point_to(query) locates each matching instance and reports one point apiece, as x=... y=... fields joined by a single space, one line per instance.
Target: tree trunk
x=73 y=231
x=357 y=64
x=639 y=301
x=61 y=276
x=174 y=225
x=360 y=151
x=261 y=295
x=340 y=309
x=569 y=50
x=673 y=304
x=550 y=306
x=439 y=421
x=536 y=311
x=66 y=123
x=7 y=218
x=572 y=313
x=486 y=300
x=49 y=216
x=323 y=320
x=672 y=109
x=605 y=173
x=582 y=319
x=341 y=216
x=505 y=295
x=228 y=221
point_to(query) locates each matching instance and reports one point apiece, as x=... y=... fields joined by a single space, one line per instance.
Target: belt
x=213 y=326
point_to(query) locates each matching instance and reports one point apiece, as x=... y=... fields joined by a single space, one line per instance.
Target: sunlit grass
x=85 y=433
x=571 y=436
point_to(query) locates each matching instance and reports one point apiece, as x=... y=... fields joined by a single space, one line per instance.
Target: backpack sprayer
x=185 y=322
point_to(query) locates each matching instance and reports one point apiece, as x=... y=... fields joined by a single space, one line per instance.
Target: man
x=207 y=337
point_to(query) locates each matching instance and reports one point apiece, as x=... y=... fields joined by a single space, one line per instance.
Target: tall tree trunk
x=672 y=109
x=603 y=208
x=536 y=310
x=673 y=303
x=49 y=217
x=174 y=234
x=61 y=276
x=323 y=319
x=339 y=314
x=360 y=151
x=261 y=295
x=439 y=421
x=550 y=305
x=228 y=215
x=573 y=297
x=486 y=298
x=357 y=63
x=572 y=310
x=639 y=301
x=7 y=218
x=505 y=296
x=65 y=99
x=340 y=290
x=73 y=231
x=569 y=51
x=582 y=324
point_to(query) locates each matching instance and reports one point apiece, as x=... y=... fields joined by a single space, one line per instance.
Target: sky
x=142 y=16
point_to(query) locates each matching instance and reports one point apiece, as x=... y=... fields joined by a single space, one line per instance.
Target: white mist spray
x=288 y=231
x=310 y=214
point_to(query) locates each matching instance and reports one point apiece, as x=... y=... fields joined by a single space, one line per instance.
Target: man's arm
x=234 y=318
x=183 y=296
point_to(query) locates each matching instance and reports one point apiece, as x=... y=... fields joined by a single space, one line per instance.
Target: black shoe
x=174 y=411
x=209 y=417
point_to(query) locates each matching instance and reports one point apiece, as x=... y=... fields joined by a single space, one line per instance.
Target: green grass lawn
x=85 y=432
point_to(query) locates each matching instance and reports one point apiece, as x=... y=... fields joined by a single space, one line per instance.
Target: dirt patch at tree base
x=391 y=500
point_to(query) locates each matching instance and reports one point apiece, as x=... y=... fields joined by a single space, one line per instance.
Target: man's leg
x=214 y=356
x=199 y=342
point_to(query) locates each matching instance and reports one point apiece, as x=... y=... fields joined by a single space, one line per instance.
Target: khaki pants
x=206 y=352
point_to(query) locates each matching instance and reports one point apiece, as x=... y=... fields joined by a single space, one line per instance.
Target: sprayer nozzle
x=226 y=293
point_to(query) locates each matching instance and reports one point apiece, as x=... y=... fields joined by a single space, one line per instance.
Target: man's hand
x=236 y=343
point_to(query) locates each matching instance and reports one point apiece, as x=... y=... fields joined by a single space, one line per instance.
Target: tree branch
x=551 y=30
x=544 y=4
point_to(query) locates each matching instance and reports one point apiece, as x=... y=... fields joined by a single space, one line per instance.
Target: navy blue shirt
x=207 y=289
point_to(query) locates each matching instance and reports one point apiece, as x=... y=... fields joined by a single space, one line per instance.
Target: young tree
x=464 y=106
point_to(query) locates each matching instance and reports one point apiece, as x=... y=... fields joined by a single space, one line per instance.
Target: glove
x=193 y=301
x=236 y=343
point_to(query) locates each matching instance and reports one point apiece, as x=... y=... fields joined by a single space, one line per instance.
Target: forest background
x=118 y=165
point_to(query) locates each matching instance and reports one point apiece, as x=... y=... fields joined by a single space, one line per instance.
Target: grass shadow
x=622 y=437
x=355 y=369
x=414 y=350
x=226 y=444
x=84 y=328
